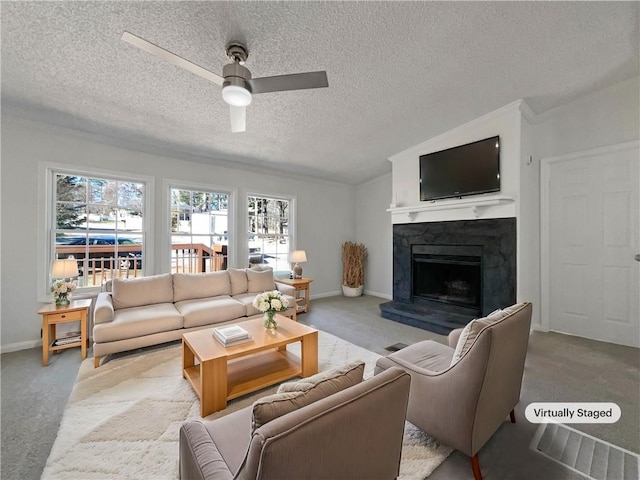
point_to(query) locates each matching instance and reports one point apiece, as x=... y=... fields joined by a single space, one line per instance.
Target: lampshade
x=236 y=96
x=297 y=256
x=65 y=268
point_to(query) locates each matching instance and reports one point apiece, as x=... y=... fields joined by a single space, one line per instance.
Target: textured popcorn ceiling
x=399 y=73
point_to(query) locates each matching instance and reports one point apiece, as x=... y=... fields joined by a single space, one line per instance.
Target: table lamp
x=65 y=268
x=297 y=257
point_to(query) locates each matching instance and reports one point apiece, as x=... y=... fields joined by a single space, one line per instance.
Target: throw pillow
x=309 y=390
x=260 y=281
x=473 y=329
x=238 y=279
x=469 y=334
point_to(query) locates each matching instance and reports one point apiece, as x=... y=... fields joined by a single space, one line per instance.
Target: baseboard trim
x=378 y=294
x=325 y=295
x=15 y=347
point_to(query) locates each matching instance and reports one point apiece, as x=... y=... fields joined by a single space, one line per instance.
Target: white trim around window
x=164 y=236
x=46 y=172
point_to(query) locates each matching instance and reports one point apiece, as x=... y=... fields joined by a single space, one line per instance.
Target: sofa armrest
x=286 y=289
x=453 y=337
x=200 y=459
x=103 y=312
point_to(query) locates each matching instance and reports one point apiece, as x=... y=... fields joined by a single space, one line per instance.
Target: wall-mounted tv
x=469 y=169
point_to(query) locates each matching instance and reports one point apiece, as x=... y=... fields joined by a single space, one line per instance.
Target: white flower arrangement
x=270 y=301
x=62 y=288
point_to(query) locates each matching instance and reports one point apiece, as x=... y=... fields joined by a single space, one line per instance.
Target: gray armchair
x=464 y=403
x=355 y=433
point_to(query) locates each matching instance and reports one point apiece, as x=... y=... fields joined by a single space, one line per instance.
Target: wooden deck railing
x=102 y=265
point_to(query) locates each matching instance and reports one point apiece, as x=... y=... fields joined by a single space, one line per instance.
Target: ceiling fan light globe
x=236 y=96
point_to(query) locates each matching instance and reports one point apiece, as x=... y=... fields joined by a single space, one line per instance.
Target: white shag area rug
x=122 y=419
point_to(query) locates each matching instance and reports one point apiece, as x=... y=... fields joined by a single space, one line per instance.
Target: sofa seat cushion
x=135 y=292
x=187 y=286
x=247 y=300
x=205 y=311
x=428 y=355
x=137 y=322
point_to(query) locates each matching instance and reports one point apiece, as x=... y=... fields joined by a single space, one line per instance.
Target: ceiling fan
x=236 y=82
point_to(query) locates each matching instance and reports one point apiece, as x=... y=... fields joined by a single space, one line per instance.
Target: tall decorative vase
x=63 y=299
x=269 y=320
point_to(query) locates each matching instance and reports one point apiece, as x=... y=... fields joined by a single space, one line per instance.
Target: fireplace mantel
x=477 y=206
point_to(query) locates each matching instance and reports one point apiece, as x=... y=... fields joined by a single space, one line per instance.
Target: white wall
x=607 y=117
x=373 y=229
x=325 y=211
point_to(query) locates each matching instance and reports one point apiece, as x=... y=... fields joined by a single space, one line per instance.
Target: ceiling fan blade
x=238 y=118
x=171 y=58
x=295 y=81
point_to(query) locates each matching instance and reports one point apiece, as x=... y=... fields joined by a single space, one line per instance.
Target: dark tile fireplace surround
x=447 y=273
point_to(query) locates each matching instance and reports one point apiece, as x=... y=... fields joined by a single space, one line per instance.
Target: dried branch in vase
x=353 y=257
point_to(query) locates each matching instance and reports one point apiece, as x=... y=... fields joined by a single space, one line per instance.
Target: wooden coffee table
x=221 y=374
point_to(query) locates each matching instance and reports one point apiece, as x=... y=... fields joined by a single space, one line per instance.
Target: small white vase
x=351 y=292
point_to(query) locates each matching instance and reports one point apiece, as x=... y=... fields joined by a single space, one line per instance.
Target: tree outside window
x=99 y=222
x=269 y=234
x=199 y=230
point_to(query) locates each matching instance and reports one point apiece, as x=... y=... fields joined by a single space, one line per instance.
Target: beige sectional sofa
x=150 y=310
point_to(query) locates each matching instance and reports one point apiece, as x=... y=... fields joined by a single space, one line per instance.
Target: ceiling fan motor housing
x=236 y=74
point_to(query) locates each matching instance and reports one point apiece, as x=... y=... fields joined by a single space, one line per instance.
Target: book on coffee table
x=231 y=335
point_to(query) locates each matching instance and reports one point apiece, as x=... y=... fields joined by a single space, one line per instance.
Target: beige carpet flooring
x=122 y=419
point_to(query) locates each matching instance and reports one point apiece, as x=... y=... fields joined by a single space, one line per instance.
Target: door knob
x=637 y=257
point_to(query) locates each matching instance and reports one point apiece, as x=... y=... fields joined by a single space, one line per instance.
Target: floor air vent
x=585 y=454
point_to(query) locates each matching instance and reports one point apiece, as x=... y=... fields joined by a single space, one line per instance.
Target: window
x=99 y=222
x=269 y=233
x=199 y=230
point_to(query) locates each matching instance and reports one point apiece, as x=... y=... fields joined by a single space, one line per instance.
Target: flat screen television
x=468 y=169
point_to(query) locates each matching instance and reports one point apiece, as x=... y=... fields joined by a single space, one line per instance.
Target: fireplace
x=447 y=273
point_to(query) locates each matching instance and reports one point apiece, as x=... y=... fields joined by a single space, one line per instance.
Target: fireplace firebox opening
x=454 y=280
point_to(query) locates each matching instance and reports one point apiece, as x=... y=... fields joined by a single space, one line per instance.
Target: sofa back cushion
x=238 y=281
x=260 y=281
x=136 y=292
x=187 y=286
x=294 y=395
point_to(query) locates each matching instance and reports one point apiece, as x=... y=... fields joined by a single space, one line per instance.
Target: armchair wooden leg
x=96 y=362
x=475 y=465
x=512 y=414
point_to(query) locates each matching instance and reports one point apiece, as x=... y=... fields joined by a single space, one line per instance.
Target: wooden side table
x=54 y=314
x=299 y=285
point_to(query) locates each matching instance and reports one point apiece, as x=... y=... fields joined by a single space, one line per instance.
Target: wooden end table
x=54 y=314
x=299 y=285
x=223 y=373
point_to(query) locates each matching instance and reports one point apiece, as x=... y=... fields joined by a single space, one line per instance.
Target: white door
x=593 y=214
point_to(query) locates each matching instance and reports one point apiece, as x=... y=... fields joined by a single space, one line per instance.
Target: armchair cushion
x=305 y=392
x=471 y=331
x=330 y=381
x=468 y=336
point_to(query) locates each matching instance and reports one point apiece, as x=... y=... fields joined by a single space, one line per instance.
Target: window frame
x=46 y=219
x=292 y=227
x=168 y=185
